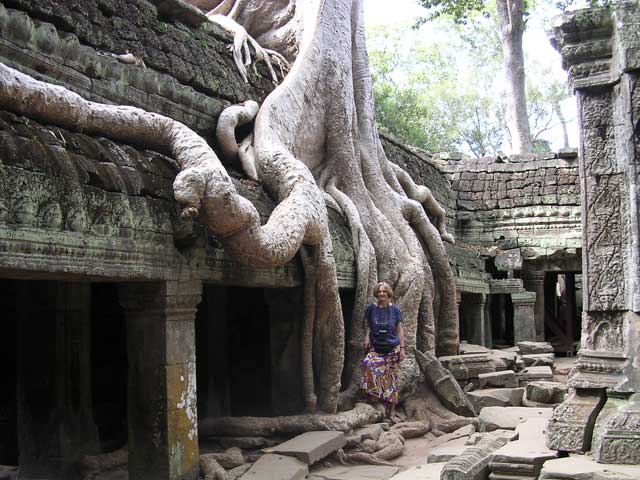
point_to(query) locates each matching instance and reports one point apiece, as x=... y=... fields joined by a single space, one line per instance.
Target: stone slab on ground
x=493 y=418
x=537 y=373
x=546 y=392
x=529 y=452
x=360 y=472
x=310 y=447
x=470 y=348
x=504 y=379
x=584 y=467
x=500 y=476
x=496 y=397
x=538 y=360
x=430 y=471
x=533 y=429
x=508 y=358
x=447 y=451
x=532 y=348
x=447 y=437
x=509 y=435
x=465 y=367
x=277 y=467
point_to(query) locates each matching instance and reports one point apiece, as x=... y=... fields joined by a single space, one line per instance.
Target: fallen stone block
x=465 y=367
x=583 y=467
x=537 y=373
x=496 y=397
x=362 y=472
x=447 y=451
x=509 y=435
x=505 y=379
x=310 y=447
x=532 y=348
x=473 y=463
x=538 y=360
x=493 y=418
x=533 y=429
x=524 y=456
x=430 y=471
x=276 y=467
x=447 y=437
x=546 y=392
x=470 y=348
x=508 y=358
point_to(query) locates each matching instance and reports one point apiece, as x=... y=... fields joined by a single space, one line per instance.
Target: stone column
x=477 y=303
x=163 y=423
x=600 y=49
x=523 y=316
x=533 y=281
x=55 y=416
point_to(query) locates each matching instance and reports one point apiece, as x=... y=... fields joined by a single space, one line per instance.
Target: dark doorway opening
x=501 y=308
x=109 y=366
x=8 y=371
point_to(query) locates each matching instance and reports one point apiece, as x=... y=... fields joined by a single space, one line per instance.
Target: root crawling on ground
x=89 y=466
x=362 y=414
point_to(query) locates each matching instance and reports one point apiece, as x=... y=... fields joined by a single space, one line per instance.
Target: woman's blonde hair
x=386 y=286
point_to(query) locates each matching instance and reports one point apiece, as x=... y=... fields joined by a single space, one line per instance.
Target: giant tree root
x=90 y=466
x=362 y=414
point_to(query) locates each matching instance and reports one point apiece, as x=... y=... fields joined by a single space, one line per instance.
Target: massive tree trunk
x=314 y=141
x=510 y=14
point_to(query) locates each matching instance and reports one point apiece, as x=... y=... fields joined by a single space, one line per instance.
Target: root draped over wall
x=314 y=137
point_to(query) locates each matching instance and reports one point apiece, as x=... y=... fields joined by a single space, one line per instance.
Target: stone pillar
x=600 y=51
x=477 y=319
x=523 y=317
x=163 y=423
x=55 y=416
x=533 y=281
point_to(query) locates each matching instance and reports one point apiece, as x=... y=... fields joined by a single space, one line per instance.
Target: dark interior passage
x=8 y=370
x=501 y=314
x=109 y=366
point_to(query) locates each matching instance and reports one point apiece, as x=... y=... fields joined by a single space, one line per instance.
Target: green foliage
x=426 y=96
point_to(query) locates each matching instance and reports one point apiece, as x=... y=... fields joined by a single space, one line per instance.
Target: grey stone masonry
x=277 y=467
x=310 y=447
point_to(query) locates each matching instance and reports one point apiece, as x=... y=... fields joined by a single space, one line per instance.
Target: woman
x=384 y=344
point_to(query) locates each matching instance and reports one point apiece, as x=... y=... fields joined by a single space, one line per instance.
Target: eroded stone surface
x=310 y=447
x=492 y=418
x=496 y=397
x=276 y=467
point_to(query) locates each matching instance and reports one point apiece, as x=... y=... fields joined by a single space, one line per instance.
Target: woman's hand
x=366 y=344
x=403 y=355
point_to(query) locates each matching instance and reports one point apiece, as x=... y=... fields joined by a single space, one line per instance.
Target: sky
x=536 y=45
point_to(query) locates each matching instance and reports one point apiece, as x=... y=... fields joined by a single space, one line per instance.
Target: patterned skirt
x=380 y=375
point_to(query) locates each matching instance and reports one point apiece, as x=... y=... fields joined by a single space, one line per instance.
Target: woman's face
x=383 y=295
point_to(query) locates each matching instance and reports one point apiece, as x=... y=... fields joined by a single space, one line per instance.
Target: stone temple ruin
x=131 y=340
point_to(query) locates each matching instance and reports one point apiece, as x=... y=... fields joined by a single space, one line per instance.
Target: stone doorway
x=501 y=315
x=562 y=310
x=247 y=350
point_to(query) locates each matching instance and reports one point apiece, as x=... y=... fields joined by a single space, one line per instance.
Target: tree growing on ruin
x=314 y=144
x=511 y=16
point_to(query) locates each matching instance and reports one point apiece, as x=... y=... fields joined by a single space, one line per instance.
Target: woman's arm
x=366 y=344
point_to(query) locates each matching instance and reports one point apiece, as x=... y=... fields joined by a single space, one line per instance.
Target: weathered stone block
x=496 y=397
x=473 y=463
x=277 y=467
x=465 y=367
x=506 y=378
x=571 y=425
x=533 y=348
x=310 y=447
x=538 y=360
x=616 y=436
x=546 y=392
x=493 y=418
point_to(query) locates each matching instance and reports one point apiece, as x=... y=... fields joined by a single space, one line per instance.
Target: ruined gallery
x=195 y=210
